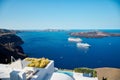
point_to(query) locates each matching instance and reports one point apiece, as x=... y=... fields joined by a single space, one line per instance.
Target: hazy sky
x=60 y=14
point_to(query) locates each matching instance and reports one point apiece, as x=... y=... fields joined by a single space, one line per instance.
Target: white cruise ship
x=83 y=45
x=74 y=39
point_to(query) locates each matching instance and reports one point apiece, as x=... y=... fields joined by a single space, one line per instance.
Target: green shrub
x=86 y=71
x=94 y=73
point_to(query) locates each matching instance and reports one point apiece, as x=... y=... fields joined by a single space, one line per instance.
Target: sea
x=103 y=52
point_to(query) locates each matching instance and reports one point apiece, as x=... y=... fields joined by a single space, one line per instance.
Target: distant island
x=94 y=34
x=42 y=30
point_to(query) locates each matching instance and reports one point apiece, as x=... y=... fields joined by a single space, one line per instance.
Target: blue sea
x=103 y=52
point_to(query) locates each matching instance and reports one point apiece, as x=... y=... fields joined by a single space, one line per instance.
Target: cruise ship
x=83 y=45
x=71 y=39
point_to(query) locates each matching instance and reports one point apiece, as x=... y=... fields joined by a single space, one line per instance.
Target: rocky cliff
x=10 y=45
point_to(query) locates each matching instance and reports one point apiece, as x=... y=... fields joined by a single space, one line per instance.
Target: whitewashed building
x=18 y=70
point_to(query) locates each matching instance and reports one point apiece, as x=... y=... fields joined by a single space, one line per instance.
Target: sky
x=60 y=14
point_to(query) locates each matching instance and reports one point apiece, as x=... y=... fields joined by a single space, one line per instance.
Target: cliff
x=10 y=45
x=94 y=34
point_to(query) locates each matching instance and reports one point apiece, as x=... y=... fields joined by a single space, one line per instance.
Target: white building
x=32 y=73
x=80 y=76
x=19 y=71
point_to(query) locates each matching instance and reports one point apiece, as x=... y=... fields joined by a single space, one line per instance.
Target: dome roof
x=60 y=76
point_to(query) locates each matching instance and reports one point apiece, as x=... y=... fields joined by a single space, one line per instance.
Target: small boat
x=83 y=45
x=74 y=39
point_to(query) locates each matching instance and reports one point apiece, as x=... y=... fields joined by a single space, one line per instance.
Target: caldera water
x=103 y=52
